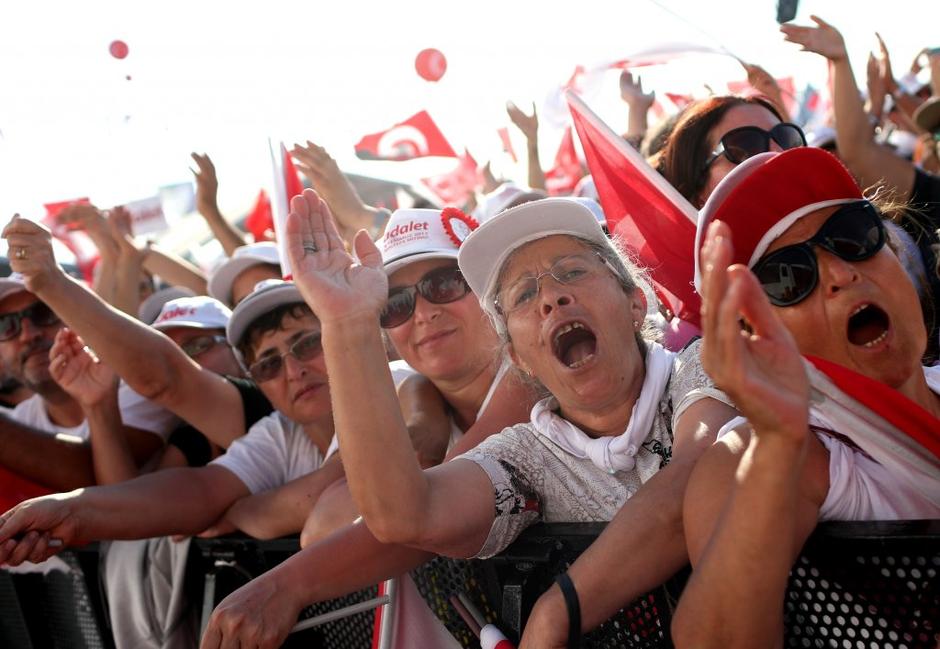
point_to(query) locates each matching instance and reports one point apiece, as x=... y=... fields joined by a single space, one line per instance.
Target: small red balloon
x=118 y=49
x=430 y=64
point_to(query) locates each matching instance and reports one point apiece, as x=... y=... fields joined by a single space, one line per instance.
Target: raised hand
x=335 y=286
x=761 y=370
x=631 y=91
x=38 y=528
x=887 y=74
x=207 y=185
x=122 y=231
x=30 y=253
x=824 y=39
x=331 y=183
x=528 y=124
x=78 y=372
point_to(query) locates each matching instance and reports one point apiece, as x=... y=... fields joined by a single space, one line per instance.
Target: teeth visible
x=581 y=362
x=569 y=327
x=872 y=343
x=858 y=310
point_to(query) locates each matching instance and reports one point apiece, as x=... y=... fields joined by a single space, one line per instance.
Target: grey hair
x=630 y=275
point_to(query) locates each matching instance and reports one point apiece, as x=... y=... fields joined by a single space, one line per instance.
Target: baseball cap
x=484 y=252
x=927 y=115
x=767 y=193
x=267 y=296
x=244 y=257
x=151 y=307
x=198 y=312
x=14 y=283
x=416 y=234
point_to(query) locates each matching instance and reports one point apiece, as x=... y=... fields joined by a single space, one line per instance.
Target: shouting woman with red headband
x=813 y=328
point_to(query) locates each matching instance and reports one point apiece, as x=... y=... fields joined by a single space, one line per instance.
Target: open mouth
x=868 y=326
x=574 y=344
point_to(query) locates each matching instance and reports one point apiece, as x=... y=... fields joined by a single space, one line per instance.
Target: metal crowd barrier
x=855 y=586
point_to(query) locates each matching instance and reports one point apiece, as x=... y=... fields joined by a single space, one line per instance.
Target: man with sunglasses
x=45 y=437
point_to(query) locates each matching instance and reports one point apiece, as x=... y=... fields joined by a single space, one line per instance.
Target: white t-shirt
x=275 y=451
x=136 y=412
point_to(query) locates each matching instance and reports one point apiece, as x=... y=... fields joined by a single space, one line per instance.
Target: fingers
x=756 y=308
x=366 y=250
x=822 y=23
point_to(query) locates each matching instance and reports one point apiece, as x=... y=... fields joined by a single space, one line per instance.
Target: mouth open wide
x=868 y=326
x=574 y=344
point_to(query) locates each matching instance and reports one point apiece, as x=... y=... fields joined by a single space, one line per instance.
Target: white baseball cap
x=267 y=296
x=416 y=234
x=199 y=312
x=244 y=257
x=14 y=283
x=151 y=307
x=485 y=251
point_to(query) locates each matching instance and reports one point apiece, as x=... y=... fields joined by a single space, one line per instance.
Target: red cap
x=766 y=194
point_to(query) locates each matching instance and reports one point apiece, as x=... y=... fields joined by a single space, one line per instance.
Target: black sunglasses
x=789 y=275
x=439 y=286
x=744 y=142
x=12 y=323
x=304 y=349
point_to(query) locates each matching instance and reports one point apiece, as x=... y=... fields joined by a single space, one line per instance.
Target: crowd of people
x=434 y=380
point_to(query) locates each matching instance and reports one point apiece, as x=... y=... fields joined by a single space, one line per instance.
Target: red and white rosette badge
x=457 y=225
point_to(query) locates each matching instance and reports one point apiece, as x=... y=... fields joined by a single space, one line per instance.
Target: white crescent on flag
x=403 y=142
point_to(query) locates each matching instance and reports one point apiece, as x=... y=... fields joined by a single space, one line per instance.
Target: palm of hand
x=332 y=283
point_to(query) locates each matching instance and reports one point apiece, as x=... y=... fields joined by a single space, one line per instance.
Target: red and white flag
x=286 y=184
x=561 y=179
x=260 y=220
x=643 y=209
x=416 y=137
x=78 y=242
x=455 y=187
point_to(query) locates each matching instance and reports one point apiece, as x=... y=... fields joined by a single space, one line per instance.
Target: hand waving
x=335 y=286
x=78 y=372
x=631 y=91
x=824 y=39
x=207 y=184
x=528 y=124
x=761 y=370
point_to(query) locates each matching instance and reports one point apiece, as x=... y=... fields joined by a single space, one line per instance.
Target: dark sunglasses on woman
x=744 y=142
x=789 y=275
x=37 y=313
x=438 y=286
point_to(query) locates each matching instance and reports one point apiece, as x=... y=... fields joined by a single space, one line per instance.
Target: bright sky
x=222 y=77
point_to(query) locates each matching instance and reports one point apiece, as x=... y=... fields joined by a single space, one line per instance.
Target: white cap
x=14 y=283
x=151 y=307
x=267 y=296
x=244 y=257
x=501 y=198
x=486 y=249
x=414 y=234
x=199 y=312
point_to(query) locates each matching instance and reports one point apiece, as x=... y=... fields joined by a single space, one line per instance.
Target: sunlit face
x=741 y=115
x=218 y=358
x=301 y=390
x=444 y=342
x=246 y=280
x=26 y=355
x=864 y=315
x=578 y=338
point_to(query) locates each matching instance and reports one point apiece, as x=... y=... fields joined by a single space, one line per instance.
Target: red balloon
x=430 y=64
x=118 y=49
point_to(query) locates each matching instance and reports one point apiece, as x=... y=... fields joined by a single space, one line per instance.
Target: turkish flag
x=561 y=179
x=455 y=187
x=643 y=209
x=260 y=221
x=287 y=184
x=416 y=137
x=78 y=242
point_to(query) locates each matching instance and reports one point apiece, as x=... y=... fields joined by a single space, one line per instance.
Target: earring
x=635 y=324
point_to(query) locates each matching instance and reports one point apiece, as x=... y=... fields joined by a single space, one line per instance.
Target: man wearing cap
x=45 y=437
x=237 y=276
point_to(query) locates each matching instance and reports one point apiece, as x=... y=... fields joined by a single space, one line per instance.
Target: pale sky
x=222 y=77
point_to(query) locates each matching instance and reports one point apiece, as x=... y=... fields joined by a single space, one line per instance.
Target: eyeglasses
x=38 y=313
x=789 y=275
x=201 y=344
x=744 y=142
x=304 y=349
x=439 y=286
x=567 y=270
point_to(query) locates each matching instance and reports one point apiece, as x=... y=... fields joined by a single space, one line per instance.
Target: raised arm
x=639 y=103
x=870 y=162
x=406 y=505
x=746 y=521
x=163 y=374
x=529 y=125
x=207 y=189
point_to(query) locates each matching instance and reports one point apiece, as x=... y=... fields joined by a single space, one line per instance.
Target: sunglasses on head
x=438 y=286
x=305 y=349
x=789 y=275
x=744 y=142
x=38 y=313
